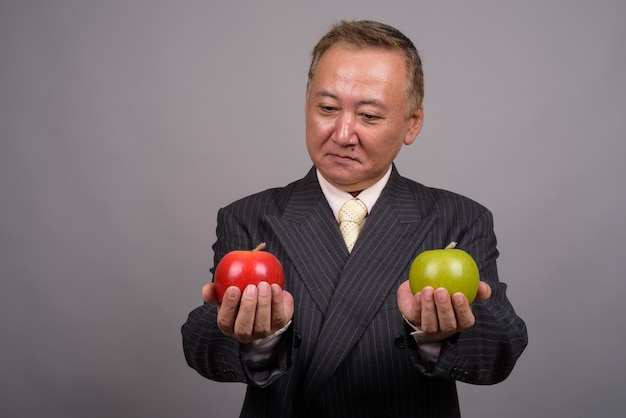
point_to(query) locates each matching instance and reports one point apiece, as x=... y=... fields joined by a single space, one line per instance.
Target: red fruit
x=241 y=268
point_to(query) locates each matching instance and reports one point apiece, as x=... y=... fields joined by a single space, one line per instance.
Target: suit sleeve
x=487 y=352
x=207 y=350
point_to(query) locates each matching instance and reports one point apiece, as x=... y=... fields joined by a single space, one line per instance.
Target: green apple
x=450 y=268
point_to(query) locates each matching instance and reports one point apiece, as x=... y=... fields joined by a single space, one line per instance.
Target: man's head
x=370 y=34
x=360 y=109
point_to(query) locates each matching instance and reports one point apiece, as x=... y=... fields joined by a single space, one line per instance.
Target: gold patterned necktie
x=351 y=215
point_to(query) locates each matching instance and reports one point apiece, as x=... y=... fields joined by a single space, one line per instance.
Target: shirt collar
x=336 y=197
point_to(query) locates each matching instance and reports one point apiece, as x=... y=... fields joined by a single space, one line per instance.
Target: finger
x=263 y=317
x=409 y=305
x=445 y=312
x=484 y=292
x=227 y=312
x=464 y=315
x=282 y=307
x=429 y=320
x=278 y=319
x=208 y=294
x=244 y=323
x=287 y=306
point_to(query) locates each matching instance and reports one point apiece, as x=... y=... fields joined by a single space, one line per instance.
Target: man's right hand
x=258 y=312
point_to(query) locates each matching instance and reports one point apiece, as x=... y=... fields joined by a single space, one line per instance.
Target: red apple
x=450 y=268
x=241 y=268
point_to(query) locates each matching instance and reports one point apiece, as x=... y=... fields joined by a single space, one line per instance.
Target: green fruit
x=452 y=269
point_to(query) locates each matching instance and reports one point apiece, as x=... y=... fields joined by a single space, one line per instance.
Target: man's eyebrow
x=371 y=102
x=326 y=93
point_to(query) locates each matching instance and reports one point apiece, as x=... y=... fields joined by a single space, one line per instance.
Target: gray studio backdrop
x=125 y=125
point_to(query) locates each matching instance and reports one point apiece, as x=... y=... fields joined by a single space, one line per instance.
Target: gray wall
x=125 y=125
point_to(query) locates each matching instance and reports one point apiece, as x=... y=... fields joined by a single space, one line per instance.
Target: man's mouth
x=344 y=157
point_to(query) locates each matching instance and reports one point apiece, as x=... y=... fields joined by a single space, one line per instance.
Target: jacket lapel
x=310 y=236
x=387 y=245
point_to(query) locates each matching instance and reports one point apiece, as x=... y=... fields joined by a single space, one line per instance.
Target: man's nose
x=345 y=131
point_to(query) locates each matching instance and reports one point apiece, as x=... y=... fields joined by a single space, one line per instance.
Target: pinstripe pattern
x=347 y=353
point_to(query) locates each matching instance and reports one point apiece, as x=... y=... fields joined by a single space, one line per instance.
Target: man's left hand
x=436 y=312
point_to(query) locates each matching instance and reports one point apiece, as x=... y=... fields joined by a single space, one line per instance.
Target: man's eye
x=369 y=117
x=327 y=109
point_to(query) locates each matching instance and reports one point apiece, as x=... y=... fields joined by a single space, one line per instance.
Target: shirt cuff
x=260 y=353
x=429 y=345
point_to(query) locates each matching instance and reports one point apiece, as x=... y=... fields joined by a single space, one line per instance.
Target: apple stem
x=450 y=246
x=260 y=247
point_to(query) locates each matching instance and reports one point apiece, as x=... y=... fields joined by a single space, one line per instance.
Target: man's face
x=356 y=115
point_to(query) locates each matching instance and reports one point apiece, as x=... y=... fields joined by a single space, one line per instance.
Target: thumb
x=484 y=292
x=208 y=294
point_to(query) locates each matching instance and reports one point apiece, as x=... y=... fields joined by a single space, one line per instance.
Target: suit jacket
x=348 y=352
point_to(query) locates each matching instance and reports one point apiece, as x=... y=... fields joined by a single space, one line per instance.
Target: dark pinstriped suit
x=348 y=352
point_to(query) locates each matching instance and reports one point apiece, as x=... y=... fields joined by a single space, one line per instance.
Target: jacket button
x=400 y=341
x=297 y=340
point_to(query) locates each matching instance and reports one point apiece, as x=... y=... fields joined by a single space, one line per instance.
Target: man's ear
x=415 y=126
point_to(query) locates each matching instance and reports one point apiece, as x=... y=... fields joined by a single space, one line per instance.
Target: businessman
x=346 y=337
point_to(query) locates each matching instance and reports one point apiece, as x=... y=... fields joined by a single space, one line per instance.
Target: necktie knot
x=351 y=215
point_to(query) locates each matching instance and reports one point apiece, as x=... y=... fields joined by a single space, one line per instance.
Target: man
x=346 y=338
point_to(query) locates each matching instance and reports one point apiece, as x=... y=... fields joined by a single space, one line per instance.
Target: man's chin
x=345 y=180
